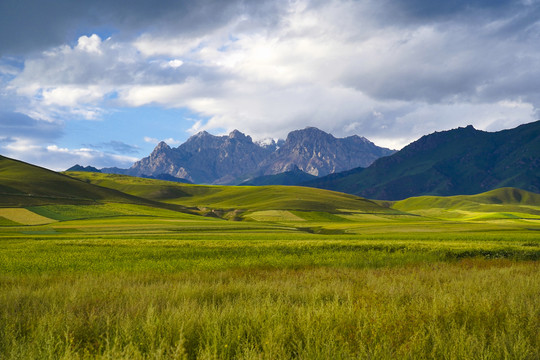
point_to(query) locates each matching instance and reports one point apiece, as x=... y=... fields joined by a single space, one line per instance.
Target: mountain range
x=461 y=161
x=236 y=158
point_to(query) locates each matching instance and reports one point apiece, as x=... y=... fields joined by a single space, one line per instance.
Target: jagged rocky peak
x=160 y=149
x=309 y=133
x=235 y=134
x=201 y=134
x=162 y=146
x=201 y=140
x=359 y=138
x=205 y=158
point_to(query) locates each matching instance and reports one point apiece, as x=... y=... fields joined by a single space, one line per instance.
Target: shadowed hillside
x=462 y=161
x=23 y=185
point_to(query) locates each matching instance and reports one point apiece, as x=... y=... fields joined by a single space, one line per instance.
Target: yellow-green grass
x=496 y=204
x=471 y=309
x=135 y=243
x=170 y=285
x=252 y=198
x=74 y=212
x=273 y=215
x=24 y=216
x=291 y=281
x=7 y=222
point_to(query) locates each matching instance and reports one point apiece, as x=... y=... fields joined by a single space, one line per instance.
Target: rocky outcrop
x=205 y=158
x=233 y=158
x=319 y=153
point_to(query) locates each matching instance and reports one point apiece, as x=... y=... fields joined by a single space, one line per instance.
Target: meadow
x=268 y=273
x=186 y=287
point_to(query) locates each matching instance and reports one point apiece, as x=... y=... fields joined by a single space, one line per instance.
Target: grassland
x=234 y=198
x=289 y=278
x=186 y=286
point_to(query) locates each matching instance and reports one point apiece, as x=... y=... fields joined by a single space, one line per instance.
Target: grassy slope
x=498 y=203
x=234 y=197
x=25 y=185
x=192 y=287
x=22 y=184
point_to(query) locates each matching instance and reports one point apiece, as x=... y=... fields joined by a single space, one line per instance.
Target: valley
x=115 y=266
x=269 y=180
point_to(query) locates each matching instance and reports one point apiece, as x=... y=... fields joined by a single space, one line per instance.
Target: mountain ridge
x=234 y=158
x=460 y=161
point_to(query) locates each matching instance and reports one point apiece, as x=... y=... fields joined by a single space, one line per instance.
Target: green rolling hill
x=43 y=196
x=247 y=198
x=25 y=185
x=500 y=203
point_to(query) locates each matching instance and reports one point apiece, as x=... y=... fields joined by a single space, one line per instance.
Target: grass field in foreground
x=300 y=273
x=471 y=309
x=189 y=287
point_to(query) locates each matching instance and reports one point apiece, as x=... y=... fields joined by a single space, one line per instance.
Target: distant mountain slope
x=319 y=153
x=293 y=177
x=167 y=177
x=210 y=159
x=328 y=181
x=78 y=167
x=205 y=158
x=22 y=184
x=459 y=161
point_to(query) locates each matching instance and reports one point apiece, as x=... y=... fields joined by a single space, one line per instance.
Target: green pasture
x=159 y=270
x=230 y=198
x=121 y=281
x=193 y=287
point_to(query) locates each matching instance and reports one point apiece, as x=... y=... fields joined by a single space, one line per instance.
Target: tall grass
x=220 y=250
x=186 y=287
x=472 y=309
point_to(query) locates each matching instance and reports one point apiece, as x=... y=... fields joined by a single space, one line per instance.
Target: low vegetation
x=289 y=278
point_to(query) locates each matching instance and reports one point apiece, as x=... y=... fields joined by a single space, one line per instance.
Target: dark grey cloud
x=17 y=125
x=425 y=10
x=474 y=51
x=35 y=25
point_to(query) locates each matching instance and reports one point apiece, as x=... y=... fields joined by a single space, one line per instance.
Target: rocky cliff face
x=205 y=158
x=319 y=153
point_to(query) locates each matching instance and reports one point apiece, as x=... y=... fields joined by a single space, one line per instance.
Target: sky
x=101 y=82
